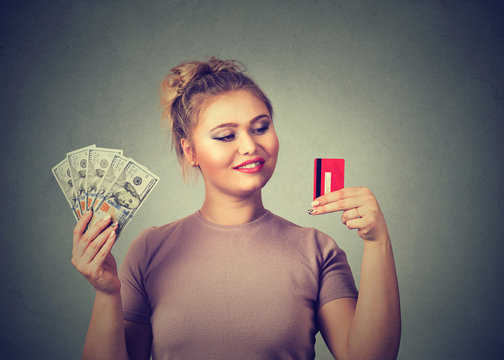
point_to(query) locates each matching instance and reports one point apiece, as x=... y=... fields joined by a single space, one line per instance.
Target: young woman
x=233 y=280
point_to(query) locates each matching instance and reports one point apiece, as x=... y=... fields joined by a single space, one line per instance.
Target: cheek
x=213 y=157
x=273 y=145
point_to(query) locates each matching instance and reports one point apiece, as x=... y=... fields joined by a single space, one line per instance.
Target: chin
x=252 y=186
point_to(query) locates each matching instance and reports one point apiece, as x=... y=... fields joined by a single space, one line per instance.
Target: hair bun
x=217 y=65
x=174 y=84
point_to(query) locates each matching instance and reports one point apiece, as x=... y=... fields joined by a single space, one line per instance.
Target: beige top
x=248 y=291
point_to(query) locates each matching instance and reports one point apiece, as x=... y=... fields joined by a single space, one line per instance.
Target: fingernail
x=115 y=225
x=106 y=218
x=315 y=203
x=312 y=211
x=112 y=234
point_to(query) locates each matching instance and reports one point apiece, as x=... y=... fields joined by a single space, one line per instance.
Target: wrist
x=381 y=241
x=102 y=296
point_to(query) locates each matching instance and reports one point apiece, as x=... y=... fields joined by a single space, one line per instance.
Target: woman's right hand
x=91 y=253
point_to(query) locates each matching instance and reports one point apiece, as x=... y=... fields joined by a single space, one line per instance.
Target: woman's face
x=235 y=144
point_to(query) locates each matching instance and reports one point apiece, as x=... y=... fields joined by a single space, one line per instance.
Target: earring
x=193 y=163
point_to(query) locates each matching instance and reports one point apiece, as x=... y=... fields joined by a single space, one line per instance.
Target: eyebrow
x=257 y=118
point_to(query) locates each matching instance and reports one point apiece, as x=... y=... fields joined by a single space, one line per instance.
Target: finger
x=350 y=215
x=91 y=234
x=340 y=194
x=339 y=205
x=95 y=245
x=105 y=250
x=359 y=223
x=80 y=228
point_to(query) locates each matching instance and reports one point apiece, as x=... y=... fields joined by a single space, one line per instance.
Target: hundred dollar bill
x=77 y=161
x=61 y=172
x=116 y=166
x=127 y=194
x=99 y=160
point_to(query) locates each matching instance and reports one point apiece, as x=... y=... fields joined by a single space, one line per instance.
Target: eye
x=225 y=138
x=260 y=130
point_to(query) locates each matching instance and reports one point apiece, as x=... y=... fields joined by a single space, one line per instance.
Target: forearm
x=376 y=326
x=105 y=337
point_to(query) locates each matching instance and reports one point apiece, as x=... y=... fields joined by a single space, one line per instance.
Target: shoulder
x=153 y=237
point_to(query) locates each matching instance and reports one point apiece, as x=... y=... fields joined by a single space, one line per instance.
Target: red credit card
x=329 y=176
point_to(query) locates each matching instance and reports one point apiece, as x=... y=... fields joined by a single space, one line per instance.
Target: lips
x=251 y=166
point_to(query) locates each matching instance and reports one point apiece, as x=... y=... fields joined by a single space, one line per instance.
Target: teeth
x=250 y=166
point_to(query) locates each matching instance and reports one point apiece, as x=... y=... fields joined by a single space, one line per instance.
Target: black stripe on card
x=318 y=178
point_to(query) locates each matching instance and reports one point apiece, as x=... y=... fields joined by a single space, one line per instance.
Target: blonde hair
x=189 y=84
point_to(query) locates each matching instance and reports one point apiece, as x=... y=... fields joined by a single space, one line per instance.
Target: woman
x=234 y=280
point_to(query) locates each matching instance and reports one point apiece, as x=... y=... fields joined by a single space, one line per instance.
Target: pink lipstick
x=251 y=166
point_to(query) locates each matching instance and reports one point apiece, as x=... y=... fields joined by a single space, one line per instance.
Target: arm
x=107 y=335
x=369 y=328
x=111 y=337
x=105 y=338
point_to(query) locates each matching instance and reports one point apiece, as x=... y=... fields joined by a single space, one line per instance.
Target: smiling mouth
x=251 y=165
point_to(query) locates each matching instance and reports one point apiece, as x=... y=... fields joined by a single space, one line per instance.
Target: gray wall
x=411 y=94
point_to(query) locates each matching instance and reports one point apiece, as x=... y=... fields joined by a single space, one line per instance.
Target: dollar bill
x=61 y=172
x=105 y=181
x=99 y=160
x=115 y=168
x=127 y=193
x=77 y=161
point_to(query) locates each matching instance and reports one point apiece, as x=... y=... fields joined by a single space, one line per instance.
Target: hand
x=91 y=253
x=360 y=211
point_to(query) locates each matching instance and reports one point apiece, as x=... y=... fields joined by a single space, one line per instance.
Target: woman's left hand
x=360 y=211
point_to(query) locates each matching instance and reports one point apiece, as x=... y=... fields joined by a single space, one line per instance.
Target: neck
x=231 y=210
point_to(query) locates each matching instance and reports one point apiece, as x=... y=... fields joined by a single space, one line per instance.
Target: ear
x=189 y=152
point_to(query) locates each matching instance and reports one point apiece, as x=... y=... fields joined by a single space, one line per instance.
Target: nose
x=247 y=145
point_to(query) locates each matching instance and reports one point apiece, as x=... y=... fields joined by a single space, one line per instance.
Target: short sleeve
x=132 y=273
x=335 y=279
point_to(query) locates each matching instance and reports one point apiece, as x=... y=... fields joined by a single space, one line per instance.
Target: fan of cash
x=105 y=181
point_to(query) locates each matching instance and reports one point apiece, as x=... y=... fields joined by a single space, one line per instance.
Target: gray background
x=411 y=94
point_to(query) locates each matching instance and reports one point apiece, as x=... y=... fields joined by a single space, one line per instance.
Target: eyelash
x=230 y=137
x=261 y=130
x=225 y=138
